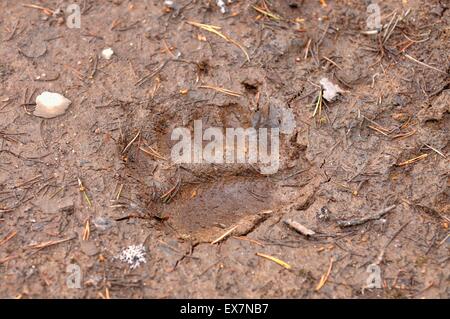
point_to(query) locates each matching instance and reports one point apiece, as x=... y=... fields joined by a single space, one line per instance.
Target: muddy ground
x=382 y=142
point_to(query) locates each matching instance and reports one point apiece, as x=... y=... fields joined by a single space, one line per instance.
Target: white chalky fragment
x=169 y=3
x=49 y=105
x=330 y=90
x=222 y=6
x=107 y=53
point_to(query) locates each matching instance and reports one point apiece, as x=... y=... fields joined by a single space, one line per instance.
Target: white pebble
x=49 y=105
x=107 y=53
x=330 y=90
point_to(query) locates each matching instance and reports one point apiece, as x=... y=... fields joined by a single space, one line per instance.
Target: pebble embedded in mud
x=88 y=248
x=103 y=223
x=50 y=105
x=323 y=214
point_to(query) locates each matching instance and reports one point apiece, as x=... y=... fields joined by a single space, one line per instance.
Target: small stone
x=169 y=4
x=103 y=223
x=49 y=105
x=400 y=117
x=93 y=281
x=437 y=110
x=323 y=214
x=437 y=10
x=55 y=205
x=330 y=90
x=221 y=4
x=296 y=45
x=88 y=248
x=107 y=53
x=66 y=206
x=302 y=140
x=350 y=76
x=399 y=100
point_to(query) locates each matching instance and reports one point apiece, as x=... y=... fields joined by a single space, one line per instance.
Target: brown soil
x=350 y=163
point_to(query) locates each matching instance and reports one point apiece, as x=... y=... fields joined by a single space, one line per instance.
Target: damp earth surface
x=79 y=189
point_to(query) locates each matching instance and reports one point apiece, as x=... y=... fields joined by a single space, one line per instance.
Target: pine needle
x=221 y=90
x=413 y=160
x=268 y=13
x=215 y=29
x=324 y=278
x=225 y=235
x=275 y=260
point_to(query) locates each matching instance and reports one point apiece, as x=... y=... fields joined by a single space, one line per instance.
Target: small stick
x=49 y=243
x=2 y=261
x=299 y=227
x=413 y=160
x=423 y=64
x=77 y=73
x=7 y=238
x=131 y=142
x=215 y=30
x=404 y=135
x=106 y=296
x=249 y=240
x=440 y=153
x=444 y=240
x=376 y=124
x=391 y=30
x=87 y=230
x=377 y=129
x=225 y=235
x=12 y=32
x=332 y=62
x=83 y=190
x=167 y=197
x=32 y=181
x=307 y=49
x=324 y=278
x=381 y=255
x=267 y=13
x=94 y=69
x=168 y=49
x=57 y=192
x=46 y=11
x=153 y=153
x=318 y=104
x=354 y=222
x=145 y=78
x=119 y=192
x=221 y=90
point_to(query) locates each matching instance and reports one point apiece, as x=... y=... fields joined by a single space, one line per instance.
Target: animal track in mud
x=205 y=211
